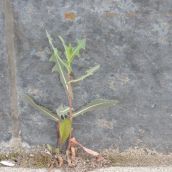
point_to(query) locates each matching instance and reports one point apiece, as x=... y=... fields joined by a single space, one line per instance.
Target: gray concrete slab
x=131 y=40
x=135 y=169
x=7 y=169
x=111 y=169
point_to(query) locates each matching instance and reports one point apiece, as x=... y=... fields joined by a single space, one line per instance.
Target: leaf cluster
x=63 y=67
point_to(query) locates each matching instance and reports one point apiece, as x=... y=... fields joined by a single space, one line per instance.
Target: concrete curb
x=8 y=169
x=135 y=169
x=111 y=169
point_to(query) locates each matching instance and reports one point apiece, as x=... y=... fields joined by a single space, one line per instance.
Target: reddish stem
x=58 y=140
x=70 y=94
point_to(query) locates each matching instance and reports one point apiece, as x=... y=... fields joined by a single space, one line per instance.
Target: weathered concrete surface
x=7 y=169
x=135 y=169
x=5 y=133
x=132 y=42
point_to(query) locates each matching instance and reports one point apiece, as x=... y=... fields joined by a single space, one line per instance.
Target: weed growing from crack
x=65 y=114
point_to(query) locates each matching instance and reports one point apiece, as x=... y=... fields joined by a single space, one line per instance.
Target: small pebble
x=7 y=163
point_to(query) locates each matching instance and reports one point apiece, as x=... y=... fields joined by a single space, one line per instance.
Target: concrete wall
x=131 y=40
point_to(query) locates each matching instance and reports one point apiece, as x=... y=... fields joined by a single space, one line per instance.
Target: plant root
x=57 y=161
x=71 y=156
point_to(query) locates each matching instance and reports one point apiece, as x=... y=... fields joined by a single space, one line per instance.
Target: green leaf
x=59 y=64
x=94 y=105
x=62 y=111
x=68 y=49
x=42 y=109
x=68 y=54
x=76 y=50
x=55 y=52
x=50 y=148
x=50 y=40
x=71 y=52
x=53 y=58
x=80 y=45
x=87 y=74
x=64 y=45
x=65 y=128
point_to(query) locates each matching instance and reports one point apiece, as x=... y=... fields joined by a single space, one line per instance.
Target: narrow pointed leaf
x=55 y=52
x=100 y=103
x=50 y=40
x=55 y=68
x=76 y=50
x=81 y=45
x=59 y=64
x=53 y=58
x=88 y=73
x=68 y=53
x=63 y=76
x=71 y=52
x=65 y=46
x=65 y=128
x=42 y=109
x=68 y=50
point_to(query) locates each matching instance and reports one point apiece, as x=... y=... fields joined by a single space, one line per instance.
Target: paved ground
x=136 y=169
x=112 y=169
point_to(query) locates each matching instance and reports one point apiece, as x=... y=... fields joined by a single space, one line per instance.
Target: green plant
x=64 y=114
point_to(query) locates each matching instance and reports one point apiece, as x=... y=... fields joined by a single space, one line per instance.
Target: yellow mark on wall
x=70 y=16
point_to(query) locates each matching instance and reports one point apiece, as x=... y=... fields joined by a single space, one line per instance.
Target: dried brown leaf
x=73 y=154
x=60 y=161
x=73 y=141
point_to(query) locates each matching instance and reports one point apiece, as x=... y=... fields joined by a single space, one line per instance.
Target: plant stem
x=70 y=97
x=70 y=94
x=58 y=140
